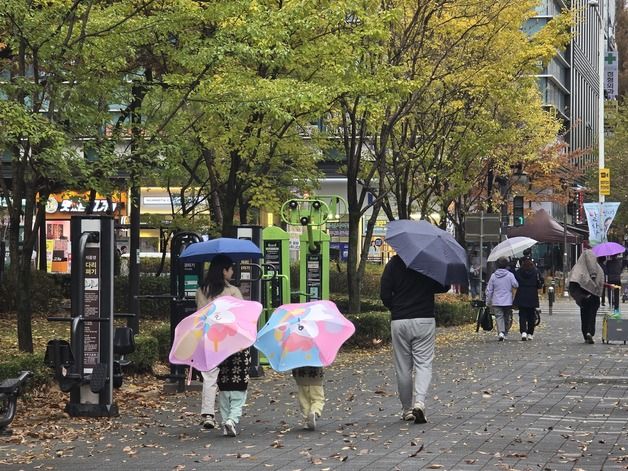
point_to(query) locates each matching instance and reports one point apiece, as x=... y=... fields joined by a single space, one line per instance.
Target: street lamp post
x=600 y=10
x=565 y=187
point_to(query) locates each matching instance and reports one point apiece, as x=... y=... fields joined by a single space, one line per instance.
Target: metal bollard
x=550 y=297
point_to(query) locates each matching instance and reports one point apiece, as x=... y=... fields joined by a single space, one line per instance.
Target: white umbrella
x=512 y=247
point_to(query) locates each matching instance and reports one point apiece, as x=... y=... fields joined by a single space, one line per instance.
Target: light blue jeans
x=231 y=404
x=413 y=351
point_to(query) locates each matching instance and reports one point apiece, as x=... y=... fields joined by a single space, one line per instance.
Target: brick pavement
x=550 y=404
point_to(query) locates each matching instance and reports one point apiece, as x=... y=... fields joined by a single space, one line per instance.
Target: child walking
x=233 y=382
x=215 y=284
x=310 y=393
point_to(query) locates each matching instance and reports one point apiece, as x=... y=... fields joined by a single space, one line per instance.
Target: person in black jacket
x=613 y=276
x=409 y=296
x=527 y=297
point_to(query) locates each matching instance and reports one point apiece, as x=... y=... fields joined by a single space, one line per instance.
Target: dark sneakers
x=419 y=415
x=589 y=339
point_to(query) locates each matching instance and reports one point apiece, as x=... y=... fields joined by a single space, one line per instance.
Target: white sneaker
x=530 y=337
x=501 y=337
x=310 y=422
x=229 y=428
x=524 y=336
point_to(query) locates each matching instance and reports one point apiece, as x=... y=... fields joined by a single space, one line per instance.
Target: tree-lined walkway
x=553 y=403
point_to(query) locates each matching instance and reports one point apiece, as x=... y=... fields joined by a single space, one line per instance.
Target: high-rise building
x=570 y=83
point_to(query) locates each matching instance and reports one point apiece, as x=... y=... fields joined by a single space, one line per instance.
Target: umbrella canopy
x=511 y=248
x=305 y=334
x=429 y=250
x=236 y=249
x=608 y=249
x=544 y=228
x=213 y=333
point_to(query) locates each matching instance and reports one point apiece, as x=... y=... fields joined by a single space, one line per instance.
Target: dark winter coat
x=613 y=270
x=528 y=292
x=406 y=293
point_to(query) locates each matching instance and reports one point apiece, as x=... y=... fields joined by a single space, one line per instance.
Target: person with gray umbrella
x=428 y=259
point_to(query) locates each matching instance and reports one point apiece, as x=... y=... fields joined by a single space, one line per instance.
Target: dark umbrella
x=429 y=250
x=236 y=249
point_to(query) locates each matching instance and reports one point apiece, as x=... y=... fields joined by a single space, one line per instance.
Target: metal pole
x=565 y=264
x=601 y=14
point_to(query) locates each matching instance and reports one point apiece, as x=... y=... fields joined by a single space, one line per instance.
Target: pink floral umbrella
x=213 y=333
x=304 y=334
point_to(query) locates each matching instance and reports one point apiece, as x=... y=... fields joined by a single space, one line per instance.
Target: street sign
x=482 y=227
x=605 y=181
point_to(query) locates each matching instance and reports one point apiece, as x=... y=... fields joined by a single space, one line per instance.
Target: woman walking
x=527 y=297
x=499 y=296
x=586 y=285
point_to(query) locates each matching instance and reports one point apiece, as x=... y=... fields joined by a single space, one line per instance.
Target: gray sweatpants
x=413 y=351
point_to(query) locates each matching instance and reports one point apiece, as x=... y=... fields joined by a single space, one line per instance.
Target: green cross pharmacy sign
x=611 y=75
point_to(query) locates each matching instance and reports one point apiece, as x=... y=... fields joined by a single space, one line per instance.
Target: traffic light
x=517 y=210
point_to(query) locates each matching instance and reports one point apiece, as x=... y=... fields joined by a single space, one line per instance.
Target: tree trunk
x=24 y=307
x=354 y=280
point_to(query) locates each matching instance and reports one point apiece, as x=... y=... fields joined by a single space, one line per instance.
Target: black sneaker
x=589 y=339
x=419 y=415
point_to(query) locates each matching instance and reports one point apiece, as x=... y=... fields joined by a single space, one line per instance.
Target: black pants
x=588 y=311
x=613 y=295
x=527 y=318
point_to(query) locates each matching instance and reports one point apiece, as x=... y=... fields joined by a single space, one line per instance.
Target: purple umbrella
x=608 y=249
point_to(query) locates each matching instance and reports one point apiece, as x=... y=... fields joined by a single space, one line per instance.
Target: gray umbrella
x=429 y=250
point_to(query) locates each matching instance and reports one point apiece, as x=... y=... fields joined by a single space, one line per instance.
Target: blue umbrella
x=236 y=249
x=429 y=250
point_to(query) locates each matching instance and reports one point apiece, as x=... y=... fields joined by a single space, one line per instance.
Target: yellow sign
x=605 y=181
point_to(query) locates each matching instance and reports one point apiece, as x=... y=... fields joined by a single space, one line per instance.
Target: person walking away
x=409 y=295
x=215 y=284
x=233 y=382
x=310 y=393
x=585 y=287
x=499 y=296
x=527 y=297
x=474 y=277
x=606 y=293
x=613 y=276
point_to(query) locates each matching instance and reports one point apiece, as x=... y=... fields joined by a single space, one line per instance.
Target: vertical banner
x=611 y=75
x=599 y=218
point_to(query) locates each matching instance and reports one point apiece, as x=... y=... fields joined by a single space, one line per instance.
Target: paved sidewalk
x=550 y=404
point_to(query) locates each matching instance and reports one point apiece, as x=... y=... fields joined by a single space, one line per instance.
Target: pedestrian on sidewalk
x=310 y=393
x=613 y=277
x=527 y=297
x=586 y=284
x=215 y=284
x=499 y=296
x=606 y=292
x=409 y=295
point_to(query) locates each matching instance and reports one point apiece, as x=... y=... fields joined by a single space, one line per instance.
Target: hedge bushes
x=145 y=355
x=149 y=308
x=11 y=367
x=47 y=294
